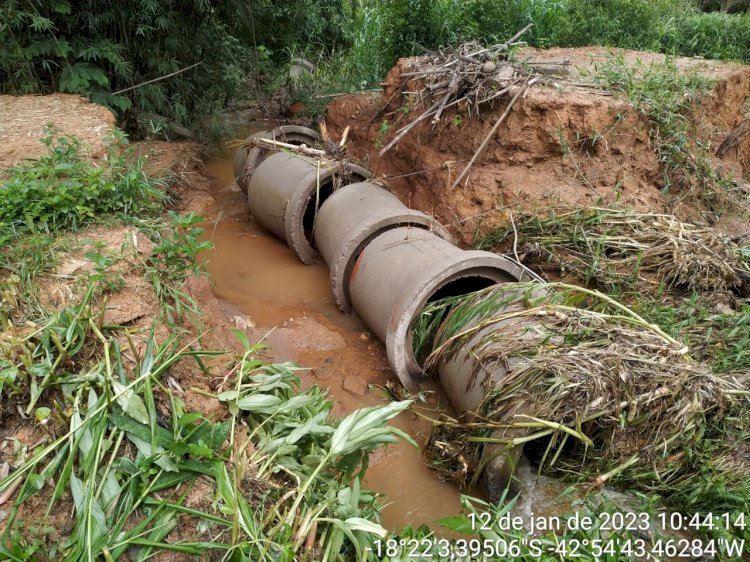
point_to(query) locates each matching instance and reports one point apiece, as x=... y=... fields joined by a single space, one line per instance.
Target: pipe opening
x=461 y=286
x=311 y=209
x=295 y=141
x=455 y=288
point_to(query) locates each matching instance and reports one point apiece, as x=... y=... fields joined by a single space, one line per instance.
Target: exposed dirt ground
x=562 y=145
x=23 y=119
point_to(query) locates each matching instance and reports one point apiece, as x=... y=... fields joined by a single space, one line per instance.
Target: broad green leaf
x=457 y=523
x=360 y=524
x=158 y=453
x=130 y=402
x=82 y=500
x=132 y=427
x=365 y=428
x=259 y=403
x=228 y=395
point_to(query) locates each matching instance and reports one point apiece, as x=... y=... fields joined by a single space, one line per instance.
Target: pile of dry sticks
x=470 y=76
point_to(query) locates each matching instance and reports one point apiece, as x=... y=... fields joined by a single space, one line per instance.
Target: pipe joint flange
x=484 y=267
x=350 y=219
x=404 y=268
x=285 y=193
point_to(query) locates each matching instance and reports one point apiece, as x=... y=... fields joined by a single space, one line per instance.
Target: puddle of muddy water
x=263 y=279
x=292 y=305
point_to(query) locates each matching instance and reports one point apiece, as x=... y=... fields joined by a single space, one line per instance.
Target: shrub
x=714 y=36
x=65 y=190
x=631 y=24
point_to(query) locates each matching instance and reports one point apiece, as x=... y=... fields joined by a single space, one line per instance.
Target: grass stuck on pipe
x=596 y=396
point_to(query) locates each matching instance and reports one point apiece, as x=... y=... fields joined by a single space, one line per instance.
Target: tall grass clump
x=630 y=24
x=365 y=63
x=710 y=35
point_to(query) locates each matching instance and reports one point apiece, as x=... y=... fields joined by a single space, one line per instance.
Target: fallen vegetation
x=691 y=281
x=594 y=396
x=621 y=251
x=101 y=457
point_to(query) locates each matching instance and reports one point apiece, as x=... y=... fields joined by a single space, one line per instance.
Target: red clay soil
x=562 y=145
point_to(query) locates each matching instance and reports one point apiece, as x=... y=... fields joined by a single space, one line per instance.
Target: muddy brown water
x=290 y=305
x=261 y=276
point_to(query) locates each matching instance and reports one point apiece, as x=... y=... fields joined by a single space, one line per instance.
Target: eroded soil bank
x=563 y=145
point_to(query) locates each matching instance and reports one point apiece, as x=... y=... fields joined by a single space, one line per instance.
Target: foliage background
x=98 y=49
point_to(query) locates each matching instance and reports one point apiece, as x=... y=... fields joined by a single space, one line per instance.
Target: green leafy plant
x=173 y=260
x=65 y=190
x=175 y=254
x=382 y=132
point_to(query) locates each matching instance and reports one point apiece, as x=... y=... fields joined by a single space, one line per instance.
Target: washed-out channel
x=292 y=307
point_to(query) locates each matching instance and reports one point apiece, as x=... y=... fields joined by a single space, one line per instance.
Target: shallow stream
x=292 y=305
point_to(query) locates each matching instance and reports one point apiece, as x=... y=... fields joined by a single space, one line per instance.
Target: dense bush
x=100 y=48
x=387 y=30
x=632 y=24
x=714 y=36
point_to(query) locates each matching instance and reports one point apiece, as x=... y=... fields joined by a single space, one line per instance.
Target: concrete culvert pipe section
x=350 y=219
x=286 y=192
x=248 y=157
x=466 y=380
x=403 y=269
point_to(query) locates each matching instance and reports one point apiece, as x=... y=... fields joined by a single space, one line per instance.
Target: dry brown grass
x=618 y=249
x=609 y=394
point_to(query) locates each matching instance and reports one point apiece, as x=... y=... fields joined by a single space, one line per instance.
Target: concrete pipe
x=402 y=269
x=350 y=219
x=466 y=382
x=285 y=193
x=248 y=157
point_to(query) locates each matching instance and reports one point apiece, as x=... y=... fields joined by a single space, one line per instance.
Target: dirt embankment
x=24 y=119
x=563 y=144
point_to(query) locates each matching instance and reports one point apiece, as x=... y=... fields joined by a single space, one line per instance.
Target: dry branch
x=492 y=132
x=468 y=73
x=277 y=145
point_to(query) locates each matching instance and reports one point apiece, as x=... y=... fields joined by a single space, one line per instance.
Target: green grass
x=65 y=191
x=718 y=336
x=381 y=32
x=667 y=96
x=121 y=449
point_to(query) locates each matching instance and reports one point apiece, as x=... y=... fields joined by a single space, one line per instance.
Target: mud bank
x=562 y=145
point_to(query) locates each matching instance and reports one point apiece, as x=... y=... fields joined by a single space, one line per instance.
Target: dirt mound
x=563 y=144
x=25 y=117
